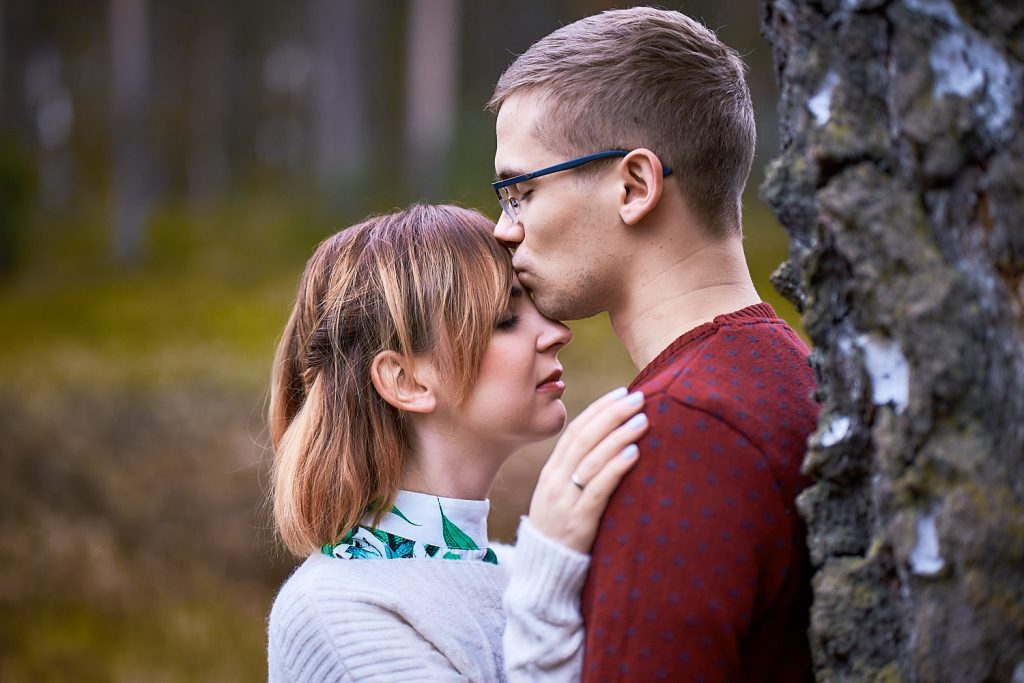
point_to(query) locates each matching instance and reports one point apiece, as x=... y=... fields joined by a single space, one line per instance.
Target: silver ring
x=575 y=479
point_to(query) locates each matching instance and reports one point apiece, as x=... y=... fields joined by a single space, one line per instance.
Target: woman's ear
x=403 y=383
x=642 y=181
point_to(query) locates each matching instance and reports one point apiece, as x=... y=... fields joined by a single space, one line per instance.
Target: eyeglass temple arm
x=565 y=166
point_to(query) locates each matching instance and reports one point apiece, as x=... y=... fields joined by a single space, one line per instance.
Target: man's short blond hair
x=646 y=77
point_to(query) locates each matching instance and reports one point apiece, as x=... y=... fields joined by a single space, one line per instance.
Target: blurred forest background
x=165 y=170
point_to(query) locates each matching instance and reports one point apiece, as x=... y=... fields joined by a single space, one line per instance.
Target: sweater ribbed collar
x=757 y=312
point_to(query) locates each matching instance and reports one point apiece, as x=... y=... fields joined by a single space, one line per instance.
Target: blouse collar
x=453 y=523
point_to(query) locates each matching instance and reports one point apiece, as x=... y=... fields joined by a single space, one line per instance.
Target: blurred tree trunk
x=900 y=184
x=208 y=169
x=129 y=75
x=432 y=68
x=4 y=106
x=8 y=229
x=339 y=106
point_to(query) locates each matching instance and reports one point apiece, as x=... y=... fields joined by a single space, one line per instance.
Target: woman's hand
x=590 y=459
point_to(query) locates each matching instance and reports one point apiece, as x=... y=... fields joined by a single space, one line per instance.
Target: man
x=700 y=569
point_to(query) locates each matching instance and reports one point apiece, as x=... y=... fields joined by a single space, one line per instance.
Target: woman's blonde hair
x=430 y=279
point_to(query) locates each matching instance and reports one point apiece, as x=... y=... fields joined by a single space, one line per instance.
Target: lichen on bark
x=901 y=185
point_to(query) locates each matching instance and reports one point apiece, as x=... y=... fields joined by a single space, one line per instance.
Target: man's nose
x=508 y=232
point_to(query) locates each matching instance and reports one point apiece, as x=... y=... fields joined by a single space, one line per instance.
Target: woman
x=412 y=366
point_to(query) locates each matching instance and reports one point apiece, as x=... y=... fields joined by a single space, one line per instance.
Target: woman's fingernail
x=629 y=452
x=637 y=421
x=635 y=399
x=618 y=393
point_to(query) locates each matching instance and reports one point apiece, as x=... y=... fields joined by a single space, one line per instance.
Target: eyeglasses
x=510 y=205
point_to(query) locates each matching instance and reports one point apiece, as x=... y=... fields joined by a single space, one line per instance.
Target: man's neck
x=669 y=298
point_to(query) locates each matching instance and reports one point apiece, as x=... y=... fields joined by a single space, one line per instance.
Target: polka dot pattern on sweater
x=703 y=533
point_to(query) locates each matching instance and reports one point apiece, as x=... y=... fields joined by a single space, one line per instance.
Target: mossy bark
x=901 y=185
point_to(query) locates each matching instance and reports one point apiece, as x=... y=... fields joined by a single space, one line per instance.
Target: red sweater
x=700 y=568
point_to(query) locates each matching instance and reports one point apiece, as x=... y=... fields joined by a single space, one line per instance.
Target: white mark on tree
x=820 y=105
x=939 y=9
x=964 y=62
x=963 y=65
x=837 y=430
x=954 y=70
x=888 y=369
x=925 y=559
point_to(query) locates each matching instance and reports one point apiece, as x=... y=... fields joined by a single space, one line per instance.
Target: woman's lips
x=552 y=382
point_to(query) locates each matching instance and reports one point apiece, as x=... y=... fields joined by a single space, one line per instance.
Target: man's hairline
x=544 y=98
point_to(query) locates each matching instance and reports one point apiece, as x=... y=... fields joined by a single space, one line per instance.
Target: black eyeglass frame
x=500 y=185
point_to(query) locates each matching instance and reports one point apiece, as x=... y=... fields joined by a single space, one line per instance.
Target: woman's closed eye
x=510 y=319
x=508 y=323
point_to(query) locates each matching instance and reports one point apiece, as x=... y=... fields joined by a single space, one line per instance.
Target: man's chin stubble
x=565 y=308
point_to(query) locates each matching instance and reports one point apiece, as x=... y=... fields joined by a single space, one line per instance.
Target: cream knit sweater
x=433 y=620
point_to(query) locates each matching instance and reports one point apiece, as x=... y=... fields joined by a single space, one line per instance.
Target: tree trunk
x=901 y=185
x=339 y=107
x=210 y=74
x=128 y=83
x=3 y=65
x=431 y=94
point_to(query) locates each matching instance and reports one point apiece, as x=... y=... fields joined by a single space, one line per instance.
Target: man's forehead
x=516 y=112
x=519 y=147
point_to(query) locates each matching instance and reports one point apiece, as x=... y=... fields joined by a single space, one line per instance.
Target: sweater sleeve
x=337 y=639
x=543 y=638
x=693 y=546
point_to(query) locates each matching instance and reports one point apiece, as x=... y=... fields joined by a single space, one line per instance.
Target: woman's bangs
x=477 y=296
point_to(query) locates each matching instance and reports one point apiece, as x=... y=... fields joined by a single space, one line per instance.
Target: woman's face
x=517 y=397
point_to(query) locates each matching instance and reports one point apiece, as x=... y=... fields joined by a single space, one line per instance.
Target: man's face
x=561 y=234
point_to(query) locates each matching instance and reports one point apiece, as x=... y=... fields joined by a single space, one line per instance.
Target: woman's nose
x=553 y=336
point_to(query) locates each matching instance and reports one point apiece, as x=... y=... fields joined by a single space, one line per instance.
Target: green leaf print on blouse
x=394 y=546
x=403 y=549
x=363 y=554
x=394 y=509
x=360 y=549
x=328 y=548
x=391 y=540
x=454 y=537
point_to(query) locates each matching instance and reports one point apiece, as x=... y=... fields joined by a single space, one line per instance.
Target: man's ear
x=642 y=182
x=403 y=383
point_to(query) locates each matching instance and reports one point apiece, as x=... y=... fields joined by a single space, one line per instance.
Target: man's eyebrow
x=507 y=173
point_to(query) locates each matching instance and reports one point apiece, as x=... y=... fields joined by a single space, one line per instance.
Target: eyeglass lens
x=509 y=204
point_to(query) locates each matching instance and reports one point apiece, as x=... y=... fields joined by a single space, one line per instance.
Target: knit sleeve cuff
x=547 y=577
